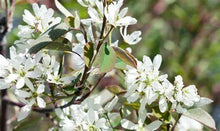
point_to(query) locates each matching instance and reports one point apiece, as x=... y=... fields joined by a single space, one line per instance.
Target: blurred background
x=185 y=32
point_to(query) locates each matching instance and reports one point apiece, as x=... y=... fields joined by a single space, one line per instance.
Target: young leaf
x=56 y=31
x=203 y=101
x=115 y=89
x=201 y=116
x=46 y=38
x=108 y=58
x=77 y=20
x=88 y=53
x=62 y=9
x=125 y=56
x=120 y=64
x=69 y=21
x=61 y=44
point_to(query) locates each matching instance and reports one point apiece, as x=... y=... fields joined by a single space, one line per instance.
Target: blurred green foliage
x=185 y=32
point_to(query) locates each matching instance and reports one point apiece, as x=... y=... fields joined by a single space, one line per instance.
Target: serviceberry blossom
x=96 y=15
x=34 y=95
x=141 y=82
x=42 y=19
x=87 y=3
x=140 y=127
x=88 y=115
x=21 y=68
x=116 y=17
x=185 y=96
x=37 y=24
x=27 y=76
x=147 y=86
x=77 y=57
x=131 y=39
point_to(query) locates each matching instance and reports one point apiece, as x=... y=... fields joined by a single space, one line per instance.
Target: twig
x=174 y=126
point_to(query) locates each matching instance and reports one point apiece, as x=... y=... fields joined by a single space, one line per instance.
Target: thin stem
x=174 y=126
x=109 y=122
x=63 y=91
x=99 y=80
x=102 y=33
x=101 y=42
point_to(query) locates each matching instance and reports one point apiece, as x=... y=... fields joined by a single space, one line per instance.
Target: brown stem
x=5 y=22
x=174 y=126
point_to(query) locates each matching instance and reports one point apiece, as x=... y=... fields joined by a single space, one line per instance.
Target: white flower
x=97 y=14
x=38 y=23
x=140 y=127
x=83 y=117
x=22 y=67
x=25 y=32
x=94 y=121
x=185 y=96
x=87 y=3
x=56 y=78
x=76 y=120
x=77 y=61
x=166 y=91
x=144 y=83
x=33 y=95
x=111 y=104
x=43 y=18
x=25 y=111
x=4 y=72
x=116 y=17
x=188 y=95
x=131 y=39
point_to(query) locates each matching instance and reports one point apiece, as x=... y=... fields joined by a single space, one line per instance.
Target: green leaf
x=126 y=57
x=120 y=64
x=201 y=116
x=27 y=124
x=49 y=36
x=108 y=58
x=61 y=44
x=69 y=21
x=115 y=89
x=88 y=53
x=134 y=105
x=62 y=9
x=56 y=31
x=71 y=87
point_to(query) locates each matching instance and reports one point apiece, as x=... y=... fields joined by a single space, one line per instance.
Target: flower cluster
x=89 y=115
x=114 y=15
x=146 y=86
x=37 y=24
x=28 y=76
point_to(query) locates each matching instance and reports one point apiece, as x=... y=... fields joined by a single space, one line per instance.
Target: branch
x=5 y=22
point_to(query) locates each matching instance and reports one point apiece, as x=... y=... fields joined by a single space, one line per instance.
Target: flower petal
x=157 y=61
x=20 y=83
x=40 y=102
x=24 y=112
x=40 y=89
x=128 y=124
